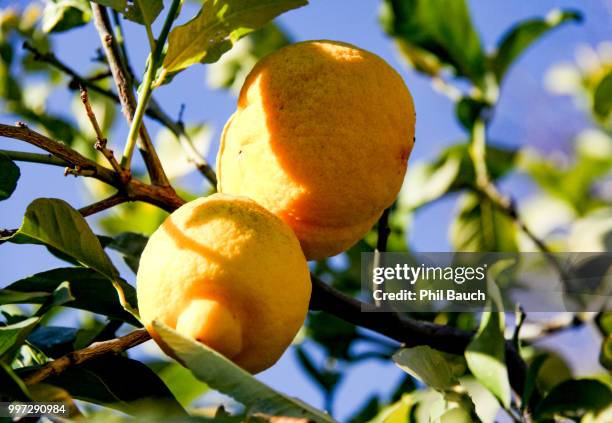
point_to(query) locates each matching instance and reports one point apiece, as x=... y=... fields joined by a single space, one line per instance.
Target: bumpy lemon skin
x=321 y=137
x=225 y=271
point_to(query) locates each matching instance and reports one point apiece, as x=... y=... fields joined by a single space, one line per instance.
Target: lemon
x=228 y=273
x=321 y=137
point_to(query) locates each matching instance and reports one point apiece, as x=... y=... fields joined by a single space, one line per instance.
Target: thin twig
x=504 y=203
x=104 y=204
x=126 y=93
x=21 y=132
x=154 y=62
x=135 y=190
x=154 y=110
x=408 y=331
x=101 y=141
x=95 y=350
x=383 y=231
x=22 y=156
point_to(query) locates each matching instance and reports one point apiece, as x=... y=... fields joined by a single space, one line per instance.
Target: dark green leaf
x=130 y=245
x=62 y=15
x=516 y=40
x=91 y=291
x=133 y=11
x=428 y=365
x=117 y=382
x=326 y=379
x=433 y=32
x=334 y=334
x=217 y=27
x=11 y=387
x=9 y=174
x=367 y=411
x=468 y=110
x=60 y=296
x=602 y=98
x=480 y=226
x=55 y=341
x=55 y=223
x=12 y=336
x=224 y=376
x=532 y=378
x=8 y=296
x=574 y=398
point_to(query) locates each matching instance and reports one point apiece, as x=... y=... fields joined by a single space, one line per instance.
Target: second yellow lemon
x=228 y=273
x=321 y=137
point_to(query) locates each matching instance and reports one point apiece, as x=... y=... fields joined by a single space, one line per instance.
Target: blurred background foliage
x=570 y=211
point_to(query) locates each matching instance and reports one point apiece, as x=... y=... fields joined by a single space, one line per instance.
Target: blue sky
x=527 y=115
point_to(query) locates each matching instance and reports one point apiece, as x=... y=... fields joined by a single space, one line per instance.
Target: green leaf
x=452 y=171
x=532 y=378
x=9 y=174
x=428 y=365
x=468 y=110
x=480 y=226
x=521 y=36
x=436 y=31
x=53 y=341
x=218 y=25
x=574 y=398
x=91 y=291
x=12 y=336
x=224 y=376
x=184 y=385
x=41 y=392
x=8 y=296
x=55 y=223
x=327 y=379
x=367 y=411
x=485 y=356
x=63 y=15
x=130 y=245
x=231 y=69
x=605 y=355
x=132 y=9
x=117 y=382
x=11 y=386
x=60 y=296
x=602 y=98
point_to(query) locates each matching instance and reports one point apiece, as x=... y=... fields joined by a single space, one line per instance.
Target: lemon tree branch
x=95 y=350
x=153 y=63
x=153 y=110
x=126 y=93
x=133 y=190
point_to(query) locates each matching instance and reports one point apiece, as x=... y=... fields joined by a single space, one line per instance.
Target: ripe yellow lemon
x=321 y=137
x=225 y=271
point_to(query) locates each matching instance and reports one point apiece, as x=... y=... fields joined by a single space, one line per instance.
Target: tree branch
x=407 y=331
x=104 y=204
x=162 y=196
x=126 y=93
x=22 y=156
x=101 y=141
x=59 y=150
x=95 y=350
x=154 y=111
